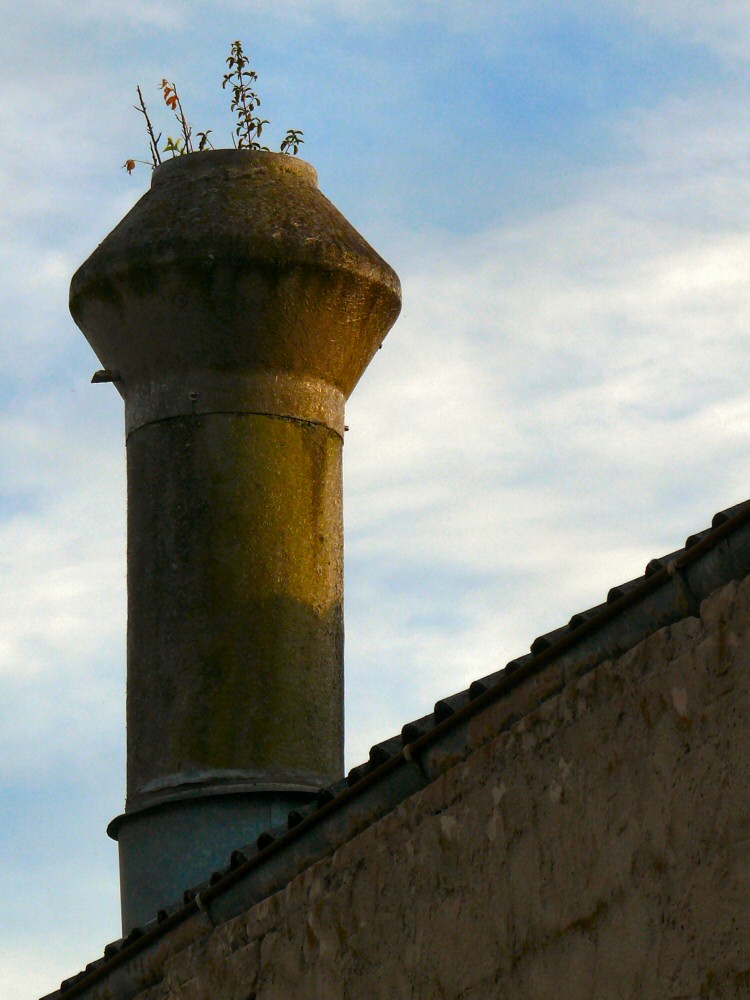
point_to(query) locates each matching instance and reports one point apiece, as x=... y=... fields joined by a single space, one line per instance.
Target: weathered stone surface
x=235 y=309
x=599 y=849
x=235 y=591
x=238 y=309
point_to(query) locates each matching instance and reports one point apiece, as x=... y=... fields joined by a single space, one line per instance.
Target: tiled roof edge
x=670 y=590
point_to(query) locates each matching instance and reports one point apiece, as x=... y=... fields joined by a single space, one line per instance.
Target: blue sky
x=564 y=190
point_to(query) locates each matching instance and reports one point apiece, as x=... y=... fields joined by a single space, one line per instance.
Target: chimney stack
x=235 y=309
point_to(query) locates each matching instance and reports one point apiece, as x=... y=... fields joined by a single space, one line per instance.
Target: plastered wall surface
x=600 y=849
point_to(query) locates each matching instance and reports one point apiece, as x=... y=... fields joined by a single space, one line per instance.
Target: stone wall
x=600 y=849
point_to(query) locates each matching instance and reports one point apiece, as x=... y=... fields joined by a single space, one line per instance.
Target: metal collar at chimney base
x=234 y=309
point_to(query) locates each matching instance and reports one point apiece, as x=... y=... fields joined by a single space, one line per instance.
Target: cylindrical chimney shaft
x=235 y=309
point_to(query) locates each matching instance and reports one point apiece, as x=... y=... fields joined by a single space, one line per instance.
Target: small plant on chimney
x=245 y=101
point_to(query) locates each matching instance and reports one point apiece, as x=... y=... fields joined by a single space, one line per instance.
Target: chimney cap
x=234 y=261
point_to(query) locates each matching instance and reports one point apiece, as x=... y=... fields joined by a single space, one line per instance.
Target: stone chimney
x=235 y=309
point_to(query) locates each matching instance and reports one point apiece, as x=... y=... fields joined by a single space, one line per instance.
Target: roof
x=670 y=590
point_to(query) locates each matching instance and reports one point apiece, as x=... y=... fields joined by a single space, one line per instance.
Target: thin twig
x=154 y=147
x=186 y=130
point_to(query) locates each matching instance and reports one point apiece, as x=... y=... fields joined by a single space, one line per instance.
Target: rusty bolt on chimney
x=239 y=309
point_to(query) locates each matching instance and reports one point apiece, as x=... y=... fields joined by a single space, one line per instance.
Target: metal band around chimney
x=209 y=782
x=277 y=394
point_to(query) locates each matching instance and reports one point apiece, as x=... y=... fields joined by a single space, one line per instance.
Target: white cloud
x=62 y=570
x=166 y=15
x=721 y=25
x=561 y=401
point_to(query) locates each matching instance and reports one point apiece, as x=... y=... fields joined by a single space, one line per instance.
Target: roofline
x=671 y=590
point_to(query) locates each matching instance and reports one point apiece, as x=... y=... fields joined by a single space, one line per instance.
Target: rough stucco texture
x=599 y=849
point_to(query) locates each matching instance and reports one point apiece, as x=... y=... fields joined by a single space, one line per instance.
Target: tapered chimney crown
x=233 y=263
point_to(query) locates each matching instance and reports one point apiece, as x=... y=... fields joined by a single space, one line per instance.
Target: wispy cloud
x=563 y=398
x=167 y=15
x=720 y=25
x=560 y=401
